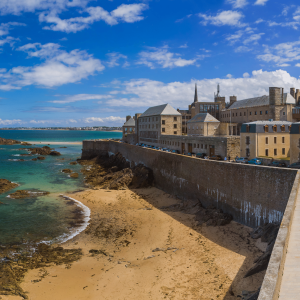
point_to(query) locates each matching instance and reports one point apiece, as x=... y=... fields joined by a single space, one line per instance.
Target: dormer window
x=266 y=128
x=247 y=128
x=282 y=128
x=275 y=128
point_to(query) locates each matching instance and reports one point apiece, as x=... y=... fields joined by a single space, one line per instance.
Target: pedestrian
x=229 y=158
x=225 y=158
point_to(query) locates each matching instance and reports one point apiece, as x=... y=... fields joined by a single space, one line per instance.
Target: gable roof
x=165 y=109
x=130 y=122
x=203 y=117
x=261 y=101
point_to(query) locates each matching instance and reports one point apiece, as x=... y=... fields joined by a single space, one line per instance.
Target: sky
x=91 y=62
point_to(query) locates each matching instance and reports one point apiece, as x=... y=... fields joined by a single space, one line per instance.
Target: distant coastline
x=108 y=129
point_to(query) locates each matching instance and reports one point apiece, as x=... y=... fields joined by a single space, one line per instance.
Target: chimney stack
x=232 y=99
x=292 y=92
x=128 y=118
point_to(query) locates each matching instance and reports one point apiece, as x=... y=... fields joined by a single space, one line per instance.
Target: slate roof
x=259 y=126
x=203 y=117
x=165 y=109
x=269 y=123
x=260 y=101
x=130 y=122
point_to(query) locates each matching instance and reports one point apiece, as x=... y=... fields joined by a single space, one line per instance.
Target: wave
x=75 y=231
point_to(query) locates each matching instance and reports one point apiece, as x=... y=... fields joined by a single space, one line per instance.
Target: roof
x=203 y=117
x=165 y=109
x=259 y=126
x=130 y=122
x=260 y=101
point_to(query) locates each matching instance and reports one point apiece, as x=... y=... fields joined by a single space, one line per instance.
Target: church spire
x=196 y=94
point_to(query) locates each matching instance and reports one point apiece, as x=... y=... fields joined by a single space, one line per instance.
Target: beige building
x=269 y=139
x=129 y=126
x=203 y=124
x=295 y=143
x=157 y=121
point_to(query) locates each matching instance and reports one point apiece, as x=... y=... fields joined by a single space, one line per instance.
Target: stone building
x=203 y=124
x=270 y=139
x=129 y=125
x=157 y=121
x=277 y=106
x=295 y=143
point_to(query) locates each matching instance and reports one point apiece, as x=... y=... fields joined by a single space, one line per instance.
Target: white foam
x=75 y=231
x=16 y=154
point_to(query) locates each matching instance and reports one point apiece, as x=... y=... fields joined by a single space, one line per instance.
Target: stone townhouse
x=269 y=139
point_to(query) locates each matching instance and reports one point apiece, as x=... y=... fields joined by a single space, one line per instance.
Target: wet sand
x=134 y=250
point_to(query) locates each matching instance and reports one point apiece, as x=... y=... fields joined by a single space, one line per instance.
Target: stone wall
x=252 y=194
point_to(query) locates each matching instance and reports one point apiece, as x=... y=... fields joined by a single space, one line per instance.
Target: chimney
x=292 y=92
x=128 y=118
x=232 y=99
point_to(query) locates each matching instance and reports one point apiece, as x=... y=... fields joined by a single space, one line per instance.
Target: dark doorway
x=190 y=148
x=182 y=148
x=211 y=150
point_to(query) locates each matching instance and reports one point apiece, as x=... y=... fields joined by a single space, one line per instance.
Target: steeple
x=196 y=94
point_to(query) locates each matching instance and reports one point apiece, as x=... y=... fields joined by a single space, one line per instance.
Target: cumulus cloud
x=10 y=122
x=238 y=3
x=281 y=53
x=142 y=93
x=16 y=7
x=5 y=27
x=260 y=2
x=226 y=17
x=59 y=67
x=161 y=57
x=80 y=97
x=114 y=60
x=8 y=40
x=128 y=13
x=253 y=39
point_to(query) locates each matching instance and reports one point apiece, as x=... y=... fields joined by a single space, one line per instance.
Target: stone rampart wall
x=252 y=194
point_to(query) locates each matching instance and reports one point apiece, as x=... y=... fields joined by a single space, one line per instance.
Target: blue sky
x=90 y=63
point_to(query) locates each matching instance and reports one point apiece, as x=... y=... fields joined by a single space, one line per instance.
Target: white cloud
x=259 y=21
x=16 y=7
x=294 y=23
x=128 y=13
x=281 y=53
x=297 y=65
x=161 y=57
x=246 y=75
x=180 y=94
x=252 y=39
x=8 y=40
x=5 y=27
x=229 y=76
x=10 y=122
x=238 y=3
x=260 y=2
x=102 y=120
x=242 y=49
x=184 y=46
x=114 y=59
x=81 y=97
x=59 y=67
x=226 y=17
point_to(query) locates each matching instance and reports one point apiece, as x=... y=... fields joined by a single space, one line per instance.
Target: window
x=163 y=122
x=205 y=146
x=275 y=140
x=125 y=129
x=244 y=113
x=250 y=113
x=247 y=152
x=275 y=152
x=163 y=130
x=152 y=119
x=283 y=151
x=152 y=125
x=197 y=145
x=247 y=128
x=194 y=145
x=260 y=112
x=175 y=119
x=201 y=146
x=266 y=112
x=266 y=128
x=283 y=113
x=282 y=128
x=267 y=152
x=283 y=140
x=236 y=114
x=156 y=119
x=256 y=113
x=290 y=127
x=247 y=140
x=175 y=125
x=267 y=140
x=240 y=114
x=275 y=128
x=175 y=132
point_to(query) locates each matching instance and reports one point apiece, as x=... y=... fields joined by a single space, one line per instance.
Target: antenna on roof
x=218 y=89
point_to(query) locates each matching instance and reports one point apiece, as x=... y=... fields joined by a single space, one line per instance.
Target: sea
x=46 y=218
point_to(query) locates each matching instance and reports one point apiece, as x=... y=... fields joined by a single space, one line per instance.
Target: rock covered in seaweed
x=6 y=185
x=8 y=142
x=20 y=194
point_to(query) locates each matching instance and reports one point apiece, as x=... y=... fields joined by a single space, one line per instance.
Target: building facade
x=203 y=124
x=269 y=139
x=295 y=143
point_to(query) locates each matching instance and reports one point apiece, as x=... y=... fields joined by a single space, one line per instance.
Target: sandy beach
x=134 y=250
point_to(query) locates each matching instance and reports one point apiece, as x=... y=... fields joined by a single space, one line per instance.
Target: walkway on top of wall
x=290 y=284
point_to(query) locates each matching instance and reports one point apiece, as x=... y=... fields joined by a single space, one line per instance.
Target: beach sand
x=126 y=227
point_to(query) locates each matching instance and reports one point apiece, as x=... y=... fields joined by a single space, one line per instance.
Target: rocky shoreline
x=6 y=185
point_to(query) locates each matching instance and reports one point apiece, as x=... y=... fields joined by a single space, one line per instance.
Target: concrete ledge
x=271 y=285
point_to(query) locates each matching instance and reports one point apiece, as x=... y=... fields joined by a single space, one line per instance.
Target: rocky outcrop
x=8 y=142
x=268 y=233
x=46 y=150
x=41 y=157
x=73 y=163
x=114 y=173
x=21 y=194
x=74 y=175
x=67 y=171
x=6 y=185
x=54 y=153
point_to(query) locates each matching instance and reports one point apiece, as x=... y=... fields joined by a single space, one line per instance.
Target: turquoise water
x=48 y=217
